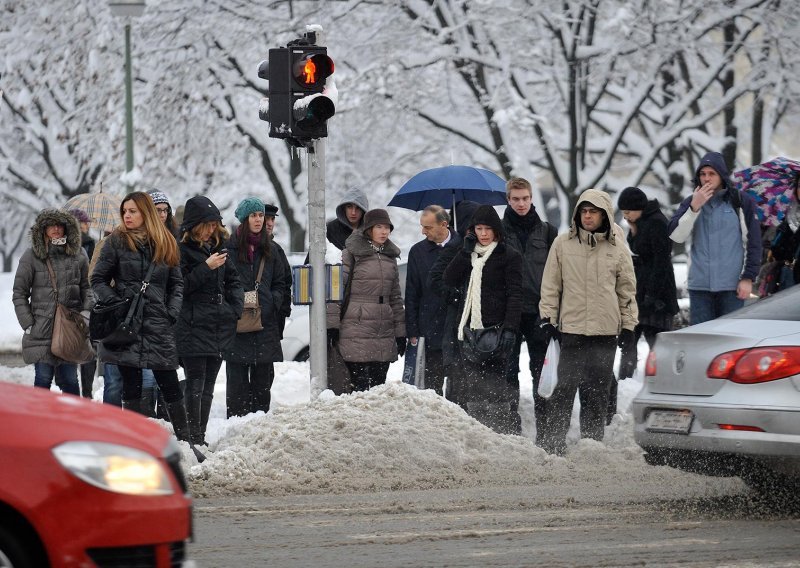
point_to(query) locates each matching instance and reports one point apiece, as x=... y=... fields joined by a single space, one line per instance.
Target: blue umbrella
x=449 y=185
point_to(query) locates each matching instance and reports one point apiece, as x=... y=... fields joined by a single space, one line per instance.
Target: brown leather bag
x=251 y=314
x=70 y=340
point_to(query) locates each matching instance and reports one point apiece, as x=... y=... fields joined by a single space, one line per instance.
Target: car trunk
x=683 y=357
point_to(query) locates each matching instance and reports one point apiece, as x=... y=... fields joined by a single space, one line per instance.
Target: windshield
x=781 y=306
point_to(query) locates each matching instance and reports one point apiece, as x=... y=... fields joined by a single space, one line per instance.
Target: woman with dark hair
x=164 y=210
x=250 y=358
x=140 y=241
x=55 y=243
x=489 y=275
x=372 y=329
x=212 y=303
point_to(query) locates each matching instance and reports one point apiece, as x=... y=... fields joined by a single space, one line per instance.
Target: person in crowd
x=55 y=240
x=285 y=310
x=212 y=304
x=250 y=358
x=425 y=311
x=372 y=331
x=489 y=273
x=349 y=217
x=141 y=240
x=164 y=209
x=89 y=368
x=451 y=299
x=726 y=241
x=531 y=237
x=656 y=294
x=588 y=301
x=785 y=245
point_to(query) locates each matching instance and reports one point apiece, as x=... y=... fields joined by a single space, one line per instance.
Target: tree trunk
x=729 y=113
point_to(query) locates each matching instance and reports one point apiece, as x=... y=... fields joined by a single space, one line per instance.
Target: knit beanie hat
x=198 y=210
x=632 y=199
x=158 y=196
x=80 y=215
x=486 y=215
x=463 y=217
x=270 y=210
x=377 y=217
x=247 y=206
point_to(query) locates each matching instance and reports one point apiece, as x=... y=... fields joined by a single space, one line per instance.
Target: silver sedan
x=723 y=397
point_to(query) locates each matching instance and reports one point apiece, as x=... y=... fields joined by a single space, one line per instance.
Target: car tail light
x=740 y=427
x=650 y=366
x=758 y=365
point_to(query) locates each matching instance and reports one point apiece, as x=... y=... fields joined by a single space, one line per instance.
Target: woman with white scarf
x=489 y=274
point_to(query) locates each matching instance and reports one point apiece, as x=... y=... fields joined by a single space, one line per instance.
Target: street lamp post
x=128 y=9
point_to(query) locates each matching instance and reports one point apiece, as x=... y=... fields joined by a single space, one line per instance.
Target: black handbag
x=112 y=324
x=480 y=345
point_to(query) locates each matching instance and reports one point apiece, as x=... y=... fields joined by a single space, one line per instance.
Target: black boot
x=192 y=401
x=149 y=402
x=177 y=415
x=205 y=412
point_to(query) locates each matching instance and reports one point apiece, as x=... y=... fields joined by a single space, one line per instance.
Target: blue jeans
x=112 y=381
x=706 y=306
x=66 y=376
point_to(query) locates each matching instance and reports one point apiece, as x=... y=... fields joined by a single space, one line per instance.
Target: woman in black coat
x=124 y=260
x=651 y=246
x=212 y=304
x=489 y=274
x=250 y=358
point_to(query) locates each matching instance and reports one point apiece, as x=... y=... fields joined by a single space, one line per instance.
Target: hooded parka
x=127 y=268
x=588 y=286
x=34 y=299
x=374 y=316
x=338 y=230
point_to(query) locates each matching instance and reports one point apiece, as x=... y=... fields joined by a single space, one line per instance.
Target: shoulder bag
x=480 y=345
x=105 y=324
x=70 y=340
x=251 y=314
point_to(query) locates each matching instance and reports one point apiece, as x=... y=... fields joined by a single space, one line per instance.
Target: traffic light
x=301 y=98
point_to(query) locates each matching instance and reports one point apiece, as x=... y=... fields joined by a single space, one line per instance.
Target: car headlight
x=114 y=468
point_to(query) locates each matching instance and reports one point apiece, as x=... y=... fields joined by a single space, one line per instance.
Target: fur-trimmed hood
x=358 y=244
x=50 y=217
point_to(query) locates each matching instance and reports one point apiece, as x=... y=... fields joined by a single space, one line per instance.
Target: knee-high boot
x=149 y=402
x=177 y=415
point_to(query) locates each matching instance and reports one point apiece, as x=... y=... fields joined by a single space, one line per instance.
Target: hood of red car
x=37 y=417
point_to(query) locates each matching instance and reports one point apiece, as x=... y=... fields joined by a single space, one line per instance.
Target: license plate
x=672 y=421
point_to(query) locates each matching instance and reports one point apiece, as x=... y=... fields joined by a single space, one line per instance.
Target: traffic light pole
x=316 y=255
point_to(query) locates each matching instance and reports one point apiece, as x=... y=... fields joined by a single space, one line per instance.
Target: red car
x=87 y=484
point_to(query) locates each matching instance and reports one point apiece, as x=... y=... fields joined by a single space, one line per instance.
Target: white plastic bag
x=549 y=377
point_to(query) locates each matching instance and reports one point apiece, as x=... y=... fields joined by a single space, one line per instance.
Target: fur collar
x=55 y=217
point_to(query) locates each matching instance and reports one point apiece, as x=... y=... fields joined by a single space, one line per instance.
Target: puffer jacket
x=374 y=315
x=156 y=347
x=259 y=346
x=212 y=303
x=34 y=300
x=589 y=287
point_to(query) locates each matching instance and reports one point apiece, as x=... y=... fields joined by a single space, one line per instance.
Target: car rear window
x=783 y=306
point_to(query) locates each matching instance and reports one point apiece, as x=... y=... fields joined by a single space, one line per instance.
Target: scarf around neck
x=472 y=303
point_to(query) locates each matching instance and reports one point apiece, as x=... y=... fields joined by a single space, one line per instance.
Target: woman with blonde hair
x=140 y=241
x=212 y=304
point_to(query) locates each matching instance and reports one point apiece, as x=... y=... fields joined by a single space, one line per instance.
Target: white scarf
x=472 y=304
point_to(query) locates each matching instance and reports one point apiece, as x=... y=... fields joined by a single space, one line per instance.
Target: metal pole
x=128 y=105
x=316 y=255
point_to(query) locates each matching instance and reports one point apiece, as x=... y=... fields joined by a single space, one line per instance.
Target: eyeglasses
x=162 y=210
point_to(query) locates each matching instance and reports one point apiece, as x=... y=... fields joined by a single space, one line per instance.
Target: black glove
x=627 y=363
x=626 y=338
x=401 y=345
x=550 y=331
x=507 y=340
x=333 y=335
x=470 y=241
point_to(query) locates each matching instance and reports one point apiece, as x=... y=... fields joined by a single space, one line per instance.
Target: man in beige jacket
x=588 y=300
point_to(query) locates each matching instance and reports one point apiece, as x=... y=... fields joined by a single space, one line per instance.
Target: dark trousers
x=535 y=338
x=585 y=366
x=248 y=388
x=365 y=375
x=488 y=394
x=201 y=376
x=434 y=370
x=87 y=377
x=167 y=381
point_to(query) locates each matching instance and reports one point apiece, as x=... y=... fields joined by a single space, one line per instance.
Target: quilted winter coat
x=34 y=299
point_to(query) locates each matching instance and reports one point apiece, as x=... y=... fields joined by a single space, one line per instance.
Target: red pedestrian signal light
x=311 y=67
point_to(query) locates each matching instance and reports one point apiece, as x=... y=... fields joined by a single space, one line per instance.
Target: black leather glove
x=401 y=346
x=470 y=241
x=333 y=335
x=627 y=362
x=550 y=331
x=626 y=338
x=507 y=340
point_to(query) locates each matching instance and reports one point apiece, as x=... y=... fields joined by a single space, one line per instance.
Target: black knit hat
x=377 y=217
x=632 y=199
x=198 y=210
x=486 y=215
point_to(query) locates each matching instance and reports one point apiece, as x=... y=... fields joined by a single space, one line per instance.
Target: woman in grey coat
x=55 y=236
